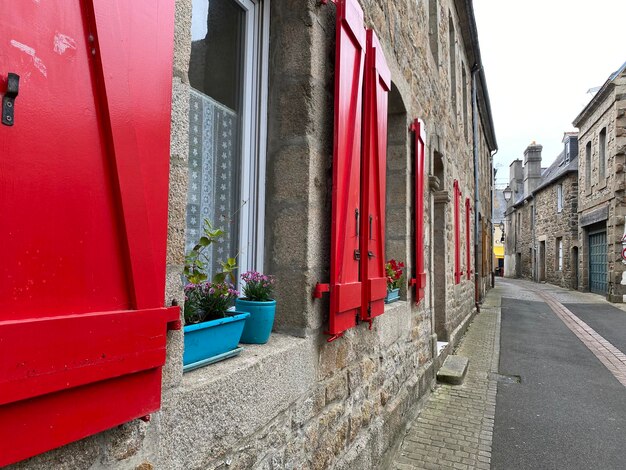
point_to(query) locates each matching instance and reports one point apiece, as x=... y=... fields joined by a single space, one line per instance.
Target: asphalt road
x=568 y=411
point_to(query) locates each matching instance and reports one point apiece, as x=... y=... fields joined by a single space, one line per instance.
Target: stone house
x=542 y=222
x=601 y=210
x=498 y=219
x=254 y=130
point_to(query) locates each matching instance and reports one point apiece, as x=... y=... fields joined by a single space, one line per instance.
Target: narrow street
x=558 y=384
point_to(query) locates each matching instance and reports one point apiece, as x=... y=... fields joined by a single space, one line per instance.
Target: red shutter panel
x=468 y=257
x=420 y=275
x=377 y=85
x=345 y=282
x=457 y=233
x=82 y=323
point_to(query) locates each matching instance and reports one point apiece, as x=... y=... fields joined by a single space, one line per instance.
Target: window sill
x=280 y=348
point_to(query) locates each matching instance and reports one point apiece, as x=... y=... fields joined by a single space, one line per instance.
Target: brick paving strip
x=454 y=429
x=612 y=358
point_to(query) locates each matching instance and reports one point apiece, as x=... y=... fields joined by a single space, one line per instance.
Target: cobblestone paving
x=454 y=430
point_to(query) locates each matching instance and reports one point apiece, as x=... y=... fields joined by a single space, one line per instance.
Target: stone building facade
x=299 y=401
x=542 y=232
x=602 y=144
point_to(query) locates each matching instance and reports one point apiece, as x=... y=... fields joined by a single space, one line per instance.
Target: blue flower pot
x=393 y=295
x=259 y=323
x=213 y=338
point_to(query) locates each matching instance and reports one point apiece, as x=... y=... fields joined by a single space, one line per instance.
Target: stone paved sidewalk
x=454 y=429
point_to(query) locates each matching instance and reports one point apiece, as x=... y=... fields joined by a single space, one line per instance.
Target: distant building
x=602 y=142
x=541 y=230
x=498 y=217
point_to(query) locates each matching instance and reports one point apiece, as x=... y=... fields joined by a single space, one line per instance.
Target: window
x=559 y=198
x=433 y=28
x=588 y=164
x=559 y=254
x=567 y=152
x=227 y=77
x=465 y=103
x=602 y=155
x=452 y=66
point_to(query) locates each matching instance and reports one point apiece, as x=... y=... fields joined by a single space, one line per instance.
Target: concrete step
x=453 y=370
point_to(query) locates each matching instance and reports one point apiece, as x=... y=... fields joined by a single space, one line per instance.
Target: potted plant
x=393 y=270
x=258 y=291
x=211 y=331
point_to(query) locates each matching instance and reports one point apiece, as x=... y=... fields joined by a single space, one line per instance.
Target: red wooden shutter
x=458 y=272
x=84 y=199
x=420 y=275
x=345 y=281
x=468 y=257
x=374 y=175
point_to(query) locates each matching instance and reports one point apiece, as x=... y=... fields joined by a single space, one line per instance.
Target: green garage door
x=597 y=263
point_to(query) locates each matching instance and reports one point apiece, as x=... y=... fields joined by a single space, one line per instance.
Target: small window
x=602 y=155
x=465 y=103
x=433 y=28
x=567 y=151
x=452 y=66
x=559 y=254
x=588 y=164
x=559 y=198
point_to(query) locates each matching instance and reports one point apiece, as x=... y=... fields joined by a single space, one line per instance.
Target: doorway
x=541 y=272
x=575 y=268
x=598 y=262
x=439 y=249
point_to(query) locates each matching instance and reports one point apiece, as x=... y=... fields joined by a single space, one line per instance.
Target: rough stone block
x=453 y=370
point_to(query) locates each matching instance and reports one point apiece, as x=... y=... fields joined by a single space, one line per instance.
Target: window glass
x=602 y=155
x=224 y=137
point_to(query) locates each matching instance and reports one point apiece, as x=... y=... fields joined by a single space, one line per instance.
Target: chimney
x=516 y=178
x=532 y=167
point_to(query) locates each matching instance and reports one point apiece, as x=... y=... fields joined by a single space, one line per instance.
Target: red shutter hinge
x=320 y=289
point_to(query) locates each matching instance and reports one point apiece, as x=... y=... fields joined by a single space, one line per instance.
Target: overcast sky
x=540 y=58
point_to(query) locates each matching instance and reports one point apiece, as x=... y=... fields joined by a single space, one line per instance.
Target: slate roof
x=599 y=96
x=554 y=172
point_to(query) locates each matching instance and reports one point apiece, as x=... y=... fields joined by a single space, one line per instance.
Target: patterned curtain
x=213 y=175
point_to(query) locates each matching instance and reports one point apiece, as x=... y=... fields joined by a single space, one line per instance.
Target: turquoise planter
x=393 y=295
x=212 y=340
x=259 y=324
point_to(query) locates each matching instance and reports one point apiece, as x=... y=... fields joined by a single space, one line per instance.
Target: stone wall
x=551 y=225
x=300 y=402
x=607 y=193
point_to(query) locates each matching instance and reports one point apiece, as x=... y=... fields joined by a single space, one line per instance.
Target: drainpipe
x=491 y=226
x=475 y=70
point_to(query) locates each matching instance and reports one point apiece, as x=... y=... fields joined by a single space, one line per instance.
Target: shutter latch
x=8 y=101
x=357 y=255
